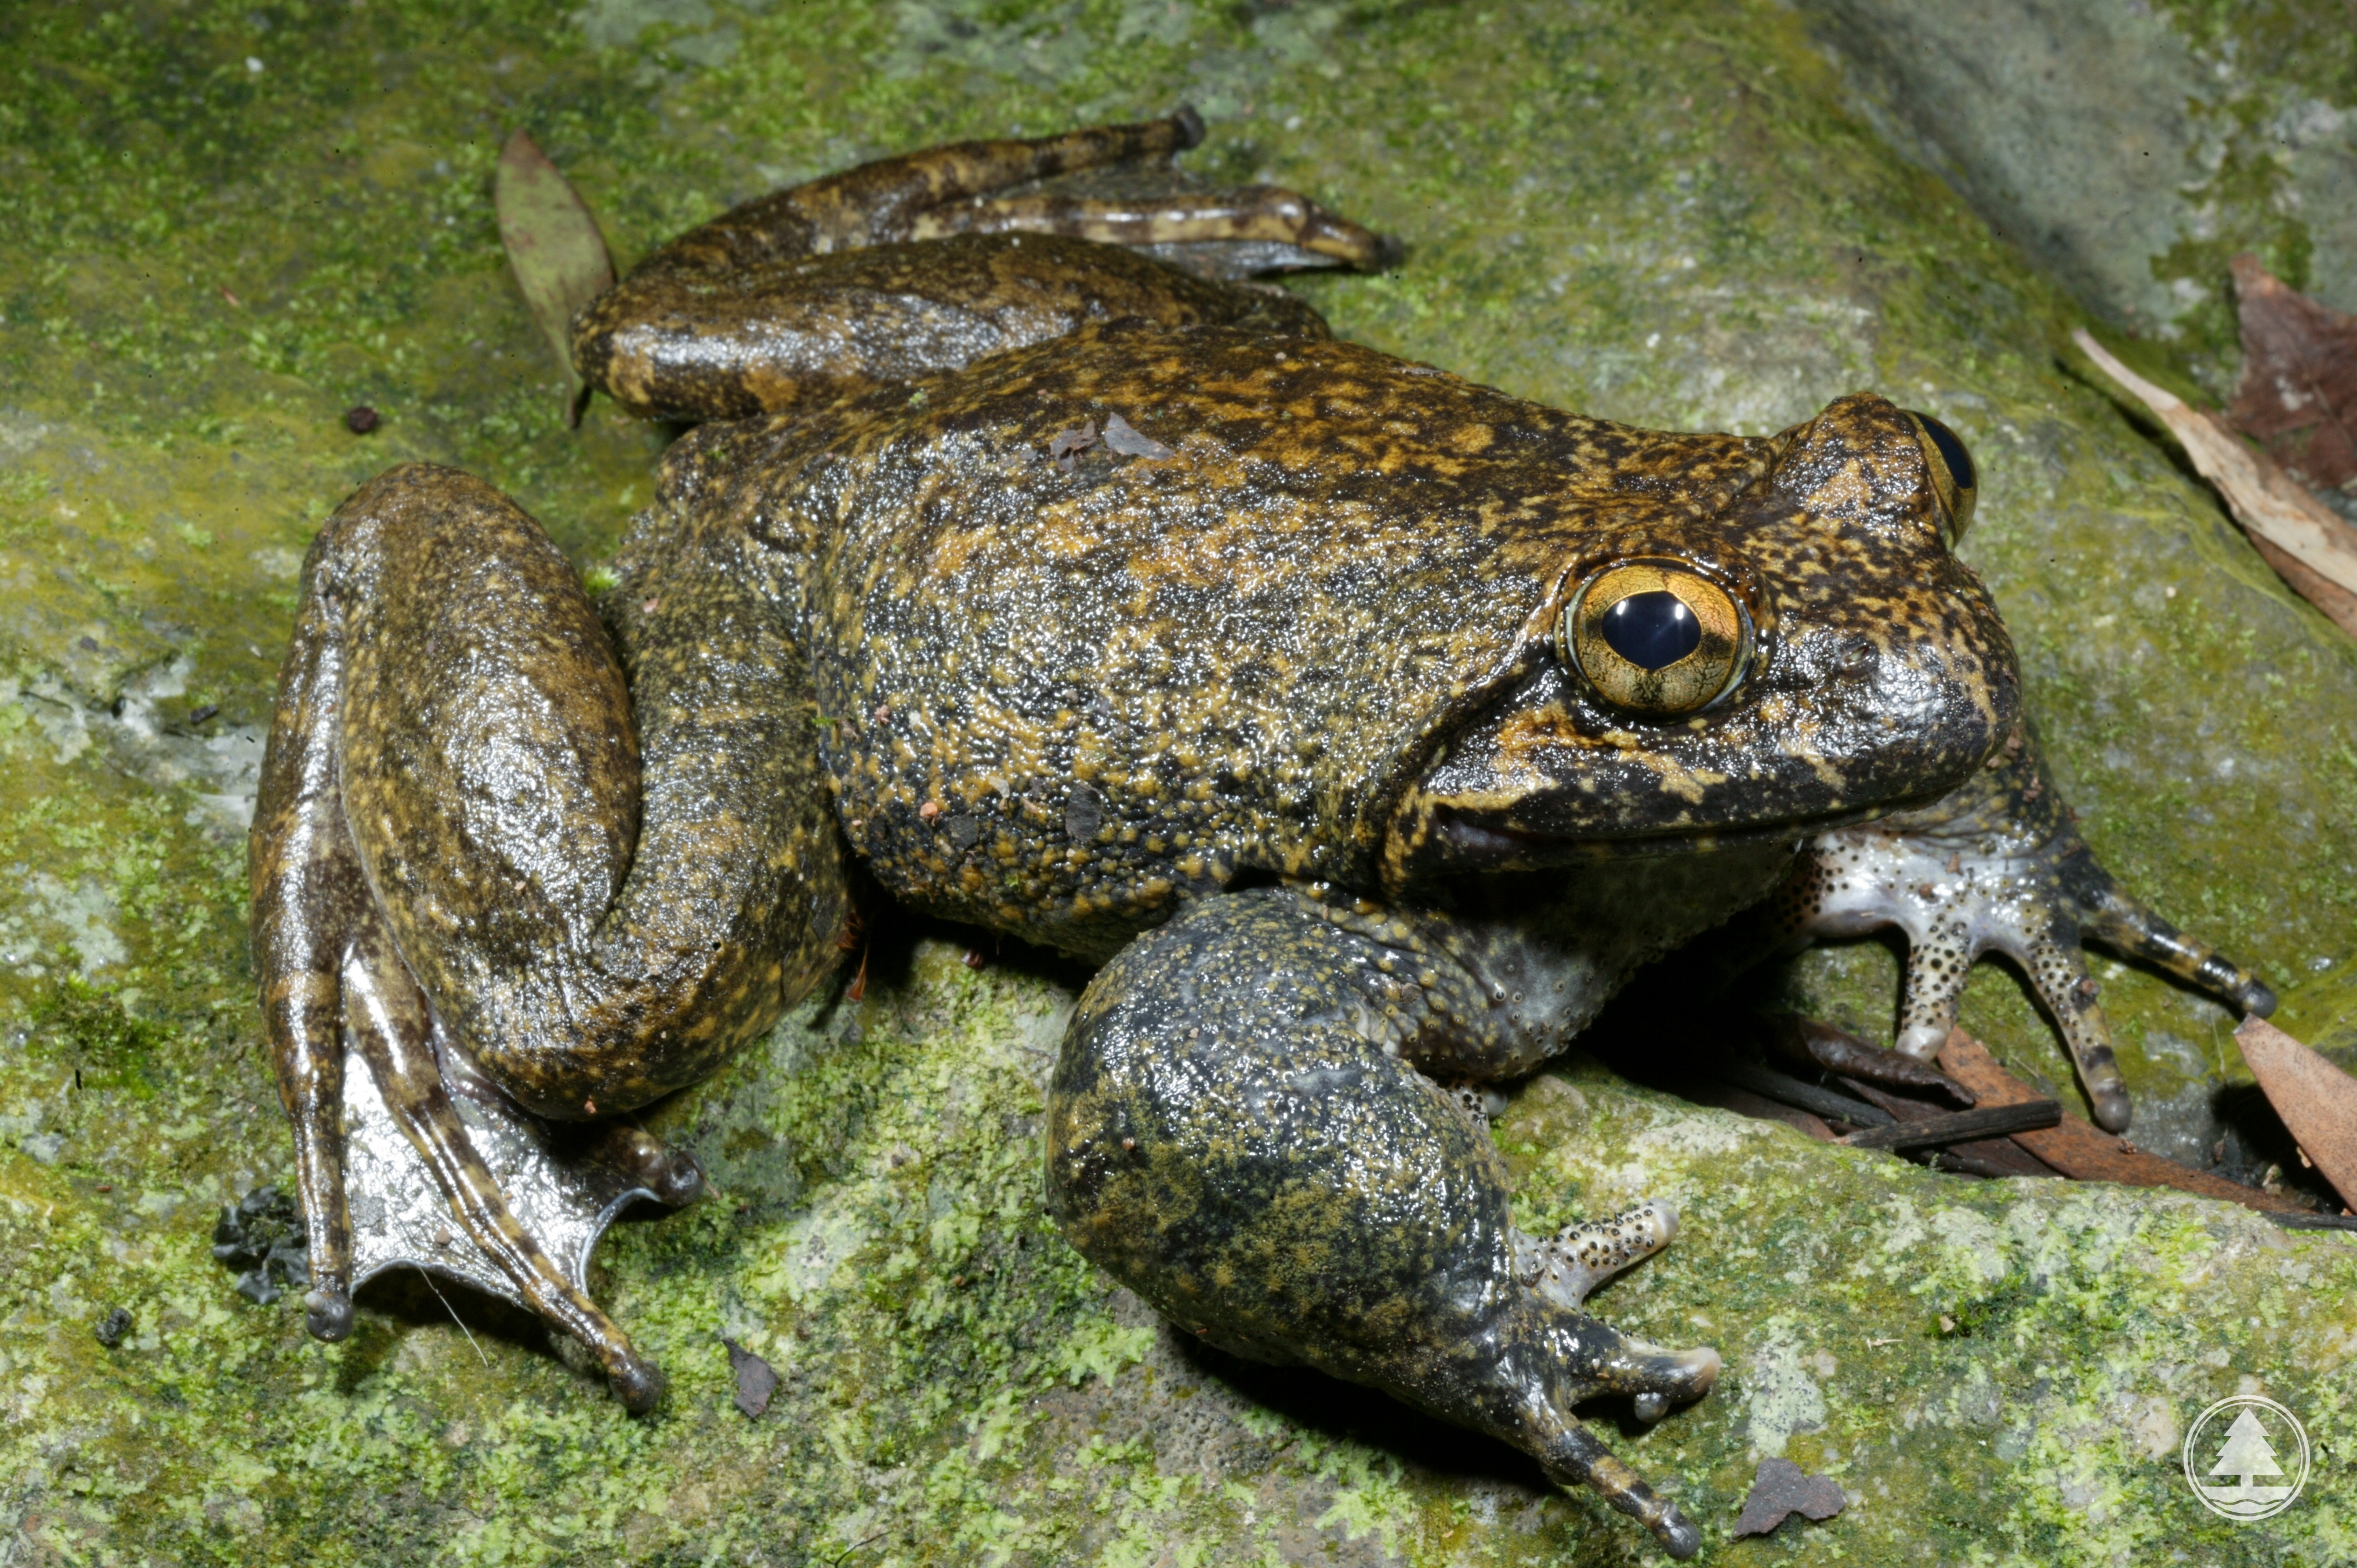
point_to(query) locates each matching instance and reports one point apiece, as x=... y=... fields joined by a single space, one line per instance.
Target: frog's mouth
x=1460 y=843
x=1548 y=777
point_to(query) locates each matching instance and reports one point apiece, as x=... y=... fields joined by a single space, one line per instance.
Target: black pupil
x=1651 y=630
x=1952 y=451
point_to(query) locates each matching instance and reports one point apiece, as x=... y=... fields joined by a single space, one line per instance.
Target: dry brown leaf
x=2299 y=393
x=2269 y=503
x=1780 y=1489
x=1122 y=436
x=553 y=243
x=2316 y=1101
x=757 y=1381
x=2079 y=1150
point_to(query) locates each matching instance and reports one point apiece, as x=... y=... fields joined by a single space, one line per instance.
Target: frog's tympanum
x=1368 y=727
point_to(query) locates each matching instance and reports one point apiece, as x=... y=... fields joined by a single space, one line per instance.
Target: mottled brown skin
x=1263 y=696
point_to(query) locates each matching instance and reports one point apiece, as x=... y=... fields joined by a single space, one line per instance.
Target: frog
x=1032 y=560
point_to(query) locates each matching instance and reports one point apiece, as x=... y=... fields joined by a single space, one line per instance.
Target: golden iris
x=1954 y=480
x=1655 y=638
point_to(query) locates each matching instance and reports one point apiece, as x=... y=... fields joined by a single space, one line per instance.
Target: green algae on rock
x=1659 y=212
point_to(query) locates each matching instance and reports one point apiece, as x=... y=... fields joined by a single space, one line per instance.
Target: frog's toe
x=1579 y=1458
x=1592 y=1358
x=638 y=1384
x=327 y=1313
x=1573 y=1262
x=2061 y=979
x=2119 y=920
x=671 y=1177
x=1655 y=1379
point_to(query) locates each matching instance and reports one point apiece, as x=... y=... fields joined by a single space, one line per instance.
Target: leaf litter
x=555 y=247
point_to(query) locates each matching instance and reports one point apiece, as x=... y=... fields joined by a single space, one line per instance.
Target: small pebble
x=360 y=419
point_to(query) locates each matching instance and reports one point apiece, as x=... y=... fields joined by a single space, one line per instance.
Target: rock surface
x=223 y=225
x=2129 y=148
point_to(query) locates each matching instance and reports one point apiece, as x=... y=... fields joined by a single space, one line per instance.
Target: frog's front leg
x=508 y=878
x=1997 y=866
x=1240 y=1132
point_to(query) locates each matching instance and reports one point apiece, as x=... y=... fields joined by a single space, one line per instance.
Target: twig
x=429 y=1276
x=1960 y=1126
x=1791 y=1091
x=846 y=1552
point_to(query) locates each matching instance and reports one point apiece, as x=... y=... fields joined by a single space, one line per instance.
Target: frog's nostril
x=1651 y=630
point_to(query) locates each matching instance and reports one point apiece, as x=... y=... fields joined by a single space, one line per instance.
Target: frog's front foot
x=1243 y=1129
x=1581 y=1256
x=1997 y=866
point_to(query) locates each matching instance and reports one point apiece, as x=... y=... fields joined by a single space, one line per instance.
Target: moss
x=1658 y=212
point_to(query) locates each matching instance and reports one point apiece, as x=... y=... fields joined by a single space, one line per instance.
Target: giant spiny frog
x=1368 y=727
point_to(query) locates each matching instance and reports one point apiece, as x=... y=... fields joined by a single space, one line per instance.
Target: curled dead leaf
x=2298 y=397
x=757 y=1381
x=1126 y=439
x=2316 y=1101
x=2275 y=509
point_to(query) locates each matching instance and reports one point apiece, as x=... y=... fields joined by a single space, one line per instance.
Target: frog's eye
x=1954 y=476
x=1656 y=639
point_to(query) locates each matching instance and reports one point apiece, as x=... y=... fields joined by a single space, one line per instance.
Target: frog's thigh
x=601 y=906
x=1230 y=1136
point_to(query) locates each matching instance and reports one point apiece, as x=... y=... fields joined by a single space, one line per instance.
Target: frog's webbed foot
x=443 y=1172
x=1237 y=1132
x=1997 y=866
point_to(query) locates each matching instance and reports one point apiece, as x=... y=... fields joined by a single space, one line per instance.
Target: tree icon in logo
x=2252 y=1487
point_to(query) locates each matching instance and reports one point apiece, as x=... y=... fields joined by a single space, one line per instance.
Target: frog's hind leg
x=884 y=202
x=509 y=879
x=974 y=188
x=307 y=890
x=918 y=265
x=1236 y=1133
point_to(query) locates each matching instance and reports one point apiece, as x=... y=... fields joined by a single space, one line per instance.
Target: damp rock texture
x=223 y=226
x=2128 y=148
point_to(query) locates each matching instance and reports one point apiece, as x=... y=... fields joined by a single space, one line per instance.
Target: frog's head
x=1808 y=653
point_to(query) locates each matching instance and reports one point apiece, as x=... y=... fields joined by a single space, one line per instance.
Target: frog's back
x=1060 y=699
